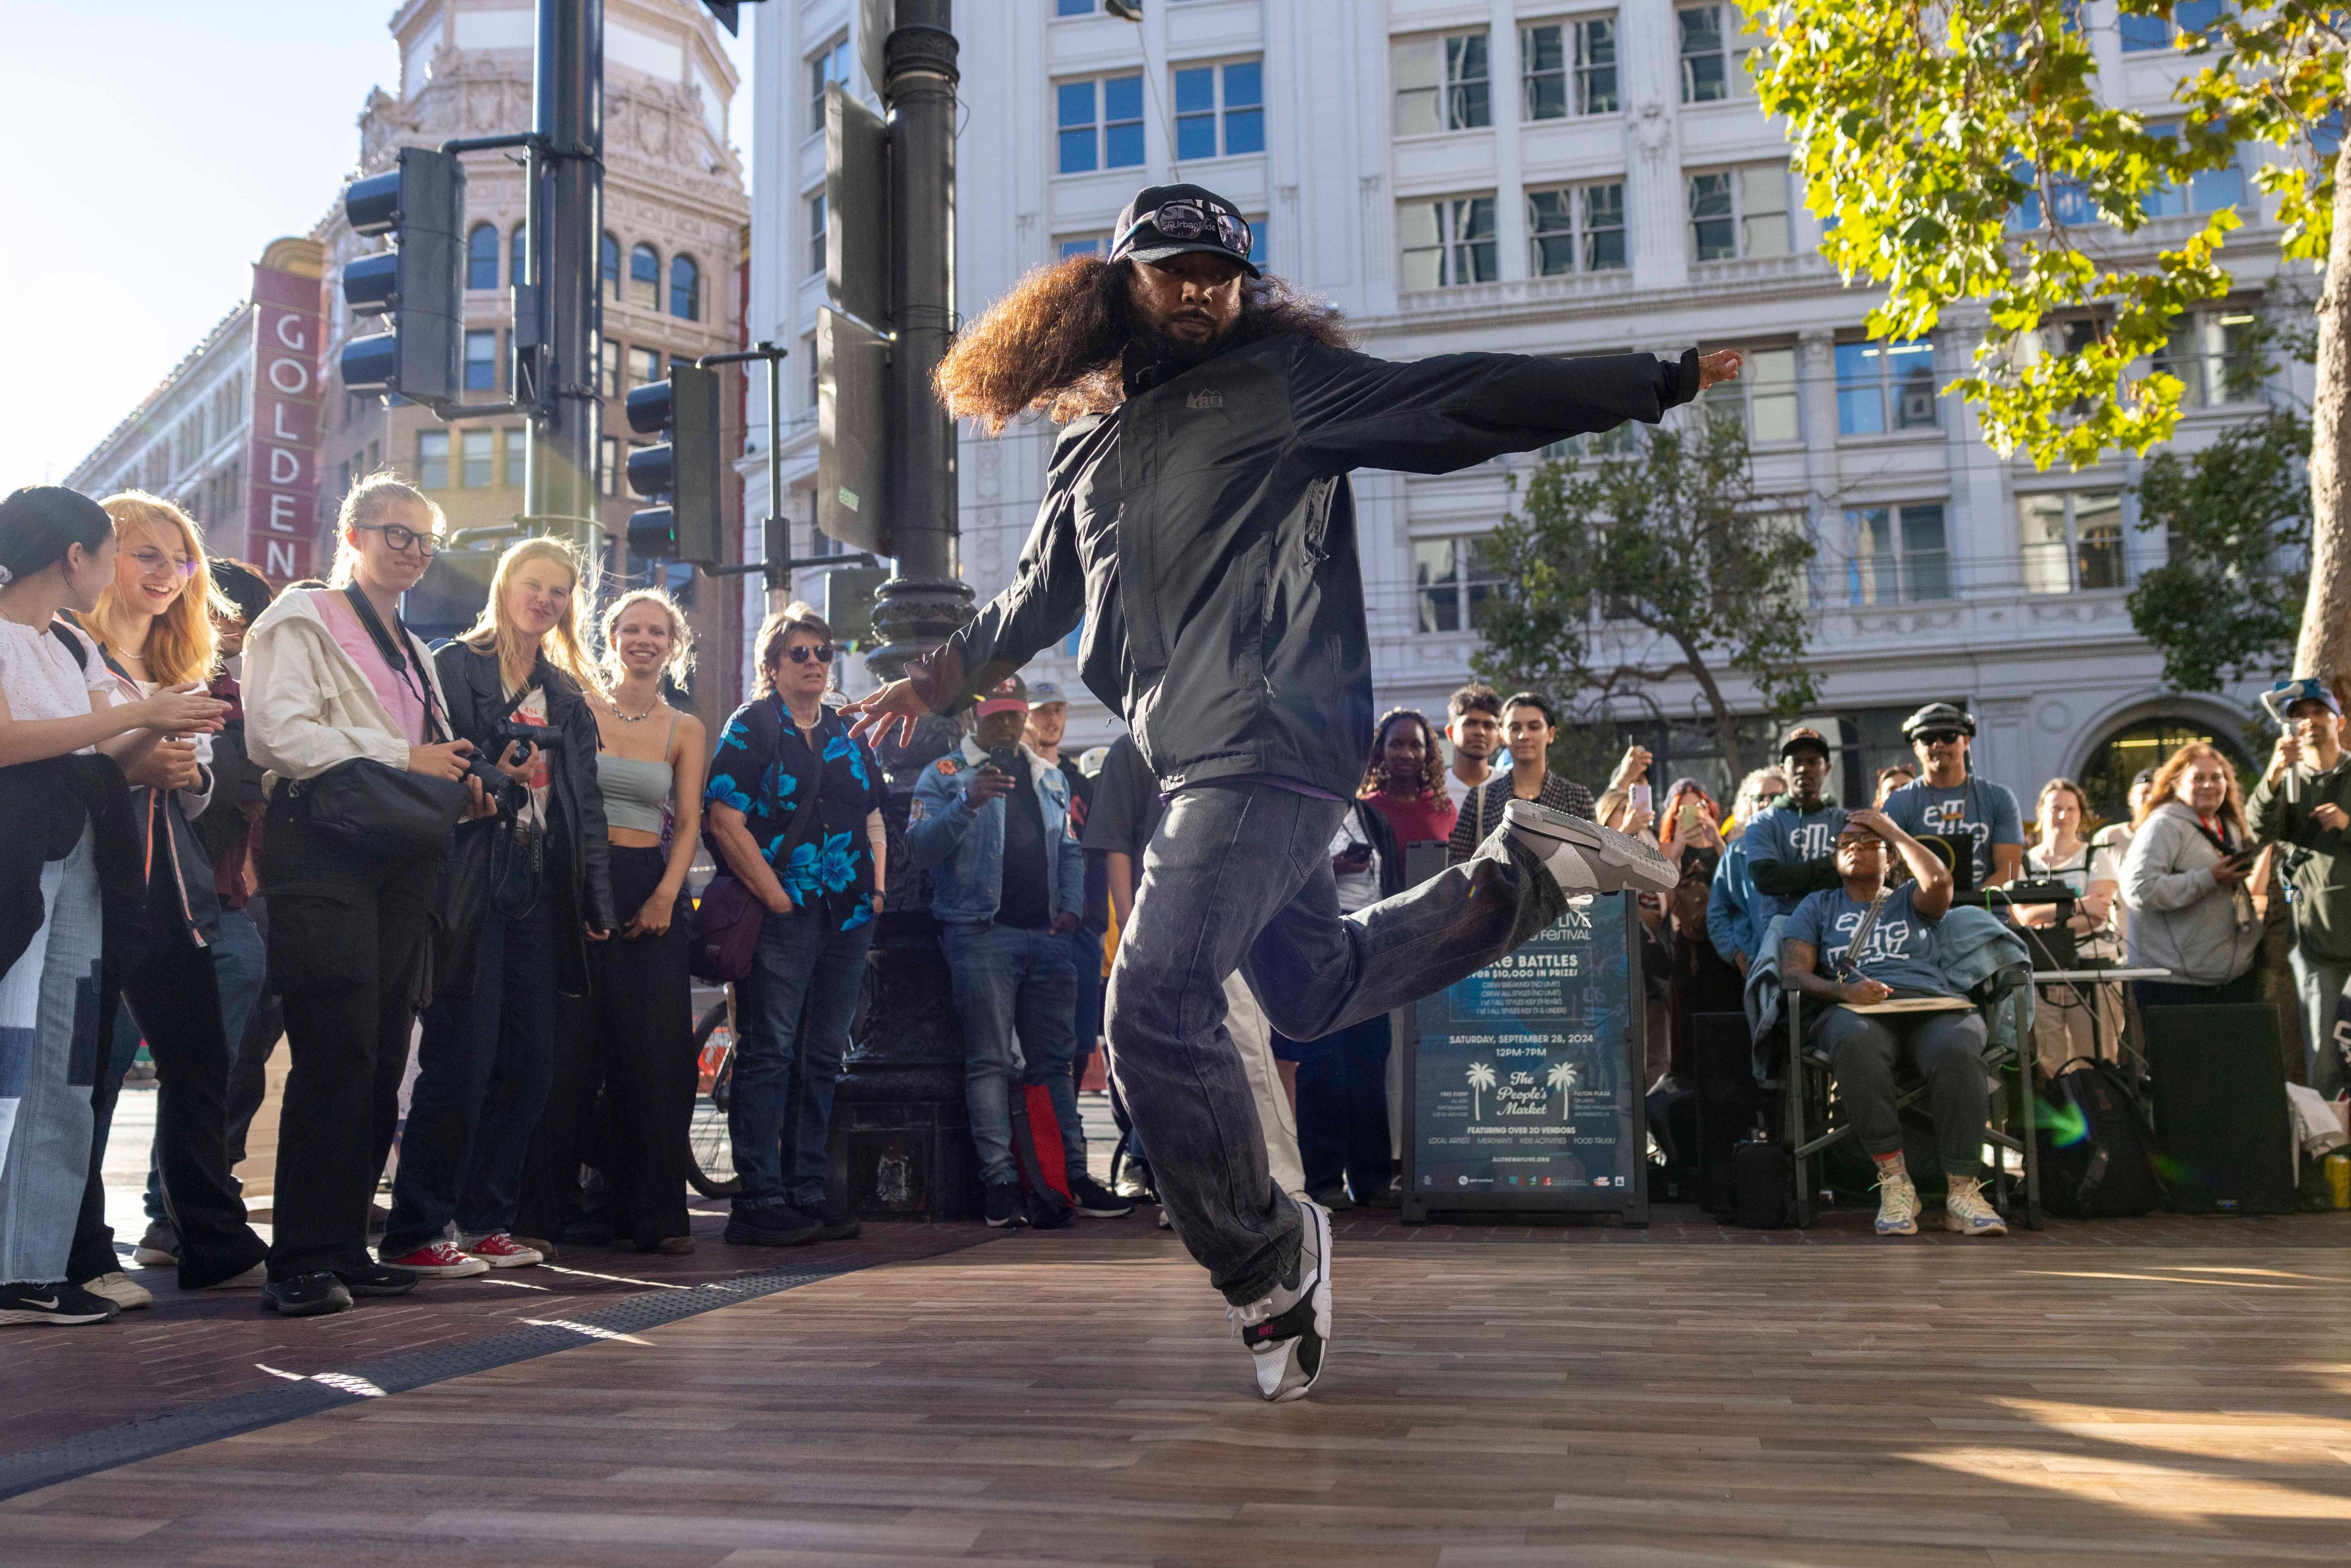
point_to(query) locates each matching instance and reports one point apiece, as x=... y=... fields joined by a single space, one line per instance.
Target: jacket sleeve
x=2270 y=818
x=941 y=815
x=2146 y=886
x=1727 y=926
x=284 y=695
x=451 y=664
x=1789 y=879
x=1450 y=411
x=1045 y=602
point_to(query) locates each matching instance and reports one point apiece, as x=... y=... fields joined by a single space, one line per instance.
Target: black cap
x=1804 y=738
x=1147 y=244
x=1939 y=715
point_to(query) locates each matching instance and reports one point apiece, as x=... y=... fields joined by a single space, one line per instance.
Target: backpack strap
x=64 y=633
x=396 y=653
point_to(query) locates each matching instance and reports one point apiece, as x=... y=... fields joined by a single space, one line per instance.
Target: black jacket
x=583 y=894
x=1204 y=534
x=170 y=848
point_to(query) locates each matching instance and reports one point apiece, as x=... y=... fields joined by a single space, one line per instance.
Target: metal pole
x=567 y=218
x=928 y=599
x=780 y=583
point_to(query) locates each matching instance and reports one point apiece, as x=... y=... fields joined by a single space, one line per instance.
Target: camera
x=510 y=731
x=495 y=785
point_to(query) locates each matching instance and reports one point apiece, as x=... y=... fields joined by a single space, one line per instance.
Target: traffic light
x=682 y=471
x=852 y=358
x=421 y=206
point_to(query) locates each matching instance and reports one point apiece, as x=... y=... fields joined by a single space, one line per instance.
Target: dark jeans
x=2245 y=987
x=1238 y=877
x=481 y=1075
x=248 y=1067
x=238 y=962
x=794 y=1010
x=1016 y=994
x=1342 y=1108
x=168 y=987
x=1086 y=959
x=1947 y=1050
x=348 y=943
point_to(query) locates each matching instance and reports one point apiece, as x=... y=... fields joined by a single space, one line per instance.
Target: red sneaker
x=500 y=1250
x=439 y=1261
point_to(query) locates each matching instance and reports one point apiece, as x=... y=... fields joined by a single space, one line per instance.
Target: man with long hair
x=1197 y=521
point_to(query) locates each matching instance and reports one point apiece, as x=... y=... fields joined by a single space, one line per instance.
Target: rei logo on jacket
x=1204 y=400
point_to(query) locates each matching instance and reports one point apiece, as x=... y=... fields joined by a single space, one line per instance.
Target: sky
x=149 y=149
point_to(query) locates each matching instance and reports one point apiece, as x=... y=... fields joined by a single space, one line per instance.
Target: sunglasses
x=1190 y=220
x=152 y=561
x=801 y=653
x=1938 y=737
x=403 y=539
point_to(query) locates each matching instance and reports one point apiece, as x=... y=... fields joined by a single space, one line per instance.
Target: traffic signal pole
x=567 y=301
x=776 y=535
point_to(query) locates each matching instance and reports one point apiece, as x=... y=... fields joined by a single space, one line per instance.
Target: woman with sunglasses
x=784 y=755
x=154 y=628
x=349 y=933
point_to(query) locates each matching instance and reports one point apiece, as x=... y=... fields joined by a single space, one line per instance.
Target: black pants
x=1342 y=1108
x=249 y=1077
x=634 y=1041
x=168 y=987
x=350 y=942
x=2174 y=994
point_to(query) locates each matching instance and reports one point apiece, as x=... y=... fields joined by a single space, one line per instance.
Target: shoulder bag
x=727 y=917
x=370 y=810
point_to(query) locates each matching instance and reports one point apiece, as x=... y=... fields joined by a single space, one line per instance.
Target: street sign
x=852 y=422
x=856 y=208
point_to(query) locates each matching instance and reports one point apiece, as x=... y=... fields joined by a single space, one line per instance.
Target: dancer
x=1197 y=520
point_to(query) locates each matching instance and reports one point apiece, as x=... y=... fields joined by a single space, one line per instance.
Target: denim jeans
x=2320 y=985
x=482 y=1074
x=794 y=1010
x=1238 y=877
x=1015 y=994
x=49 y=1061
x=238 y=966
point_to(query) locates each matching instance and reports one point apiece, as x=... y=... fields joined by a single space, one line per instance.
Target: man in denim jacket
x=991 y=824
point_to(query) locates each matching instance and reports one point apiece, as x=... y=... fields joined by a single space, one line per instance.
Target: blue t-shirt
x=1787 y=836
x=1978 y=810
x=1900 y=951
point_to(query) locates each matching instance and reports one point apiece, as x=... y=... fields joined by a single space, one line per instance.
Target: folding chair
x=1811 y=1106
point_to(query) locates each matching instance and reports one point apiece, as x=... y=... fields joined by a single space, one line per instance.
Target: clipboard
x=1912 y=1005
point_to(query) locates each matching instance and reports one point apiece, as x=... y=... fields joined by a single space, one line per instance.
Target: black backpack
x=2096 y=1147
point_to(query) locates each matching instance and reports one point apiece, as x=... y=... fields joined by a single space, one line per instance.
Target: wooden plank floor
x=1052 y=1401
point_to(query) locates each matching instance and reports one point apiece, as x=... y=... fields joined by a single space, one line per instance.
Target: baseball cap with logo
x=1804 y=738
x=1009 y=695
x=1166 y=221
x=1043 y=693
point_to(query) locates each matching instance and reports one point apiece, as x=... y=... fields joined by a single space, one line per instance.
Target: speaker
x=2220 y=1113
x=1721 y=1063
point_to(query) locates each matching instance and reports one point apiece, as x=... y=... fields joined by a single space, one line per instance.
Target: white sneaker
x=1898 y=1207
x=253 y=1279
x=1288 y=1332
x=1965 y=1210
x=1165 y=1223
x=1584 y=857
x=120 y=1289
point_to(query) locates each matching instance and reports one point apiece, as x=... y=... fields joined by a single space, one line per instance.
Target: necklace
x=637 y=718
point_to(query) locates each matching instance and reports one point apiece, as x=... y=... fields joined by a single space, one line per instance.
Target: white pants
x=1253 y=1035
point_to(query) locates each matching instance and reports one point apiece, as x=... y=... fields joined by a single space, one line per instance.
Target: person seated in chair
x=1895 y=958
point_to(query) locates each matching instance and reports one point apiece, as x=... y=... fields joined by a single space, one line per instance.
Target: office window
x=2205 y=190
x=1441 y=83
x=481 y=361
x=608 y=370
x=2192 y=17
x=2215 y=356
x=1739 y=213
x=1074 y=7
x=1577 y=229
x=432 y=459
x=827 y=66
x=644 y=365
x=1886 y=386
x=518 y=255
x=609 y=257
x=1100 y=123
x=482 y=256
x=1448 y=242
x=475 y=474
x=1569 y=67
x=609 y=472
x=1258 y=245
x=1220 y=110
x=1714 y=44
x=817 y=219
x=2071 y=540
x=685 y=288
x=517 y=442
x=1895 y=555
x=644 y=276
x=1451 y=582
x=1069 y=245
x=1763 y=398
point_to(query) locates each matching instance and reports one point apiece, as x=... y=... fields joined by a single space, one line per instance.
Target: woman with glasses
x=154 y=628
x=332 y=677
x=487 y=1059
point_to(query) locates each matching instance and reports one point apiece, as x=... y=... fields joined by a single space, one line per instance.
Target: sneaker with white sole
x=1288 y=1333
x=439 y=1260
x=253 y=1279
x=53 y=1304
x=1965 y=1210
x=160 y=1247
x=121 y=1289
x=501 y=1251
x=1898 y=1207
x=1583 y=857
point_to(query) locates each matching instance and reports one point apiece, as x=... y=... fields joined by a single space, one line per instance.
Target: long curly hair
x=1432 y=761
x=2167 y=784
x=1054 y=342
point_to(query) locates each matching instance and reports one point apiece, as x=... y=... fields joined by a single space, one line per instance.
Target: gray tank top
x=636 y=791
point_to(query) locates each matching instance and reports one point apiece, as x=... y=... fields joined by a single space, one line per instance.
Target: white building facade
x=1535 y=176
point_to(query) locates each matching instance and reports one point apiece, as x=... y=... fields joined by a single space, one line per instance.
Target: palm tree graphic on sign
x=1562 y=1079
x=1481 y=1077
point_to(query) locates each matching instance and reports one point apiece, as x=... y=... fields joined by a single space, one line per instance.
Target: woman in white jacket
x=349 y=935
x=2183 y=880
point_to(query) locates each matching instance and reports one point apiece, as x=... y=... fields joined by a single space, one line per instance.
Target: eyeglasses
x=1190 y=220
x=152 y=561
x=800 y=653
x=1938 y=737
x=402 y=540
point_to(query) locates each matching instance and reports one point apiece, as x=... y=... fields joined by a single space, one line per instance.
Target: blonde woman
x=154 y=627
x=487 y=1059
x=639 y=1041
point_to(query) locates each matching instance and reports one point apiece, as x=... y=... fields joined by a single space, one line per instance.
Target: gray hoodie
x=2182 y=919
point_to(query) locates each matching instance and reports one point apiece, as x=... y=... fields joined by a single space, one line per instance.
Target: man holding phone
x=2304 y=801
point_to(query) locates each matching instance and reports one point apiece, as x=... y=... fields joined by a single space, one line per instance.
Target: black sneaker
x=1093 y=1197
x=1288 y=1332
x=56 y=1303
x=772 y=1225
x=374 y=1278
x=306 y=1295
x=1334 y=1198
x=1004 y=1206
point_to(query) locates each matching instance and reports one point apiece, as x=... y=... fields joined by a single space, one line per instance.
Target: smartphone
x=1638 y=795
x=1689 y=818
x=1006 y=759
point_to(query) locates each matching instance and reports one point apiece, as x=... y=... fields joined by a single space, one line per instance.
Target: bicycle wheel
x=712 y=1167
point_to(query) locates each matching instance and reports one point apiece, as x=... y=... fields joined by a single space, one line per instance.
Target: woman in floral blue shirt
x=784 y=752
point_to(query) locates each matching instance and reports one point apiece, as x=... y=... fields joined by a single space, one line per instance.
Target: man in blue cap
x=2303 y=799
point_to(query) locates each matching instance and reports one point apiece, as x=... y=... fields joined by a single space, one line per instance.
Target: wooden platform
x=1064 y=1400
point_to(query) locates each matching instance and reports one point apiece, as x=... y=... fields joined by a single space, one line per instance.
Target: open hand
x=1722 y=365
x=182 y=709
x=893 y=706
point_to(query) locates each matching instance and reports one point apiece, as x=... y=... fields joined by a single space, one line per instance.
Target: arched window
x=610 y=258
x=518 y=254
x=644 y=277
x=685 y=288
x=482 y=256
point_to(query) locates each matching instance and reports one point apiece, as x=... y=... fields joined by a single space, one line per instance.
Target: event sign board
x=1523 y=1083
x=282 y=463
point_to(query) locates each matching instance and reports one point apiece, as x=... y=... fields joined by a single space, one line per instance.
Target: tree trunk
x=1726 y=723
x=2325 y=649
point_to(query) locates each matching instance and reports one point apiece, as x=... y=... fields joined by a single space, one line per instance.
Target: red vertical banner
x=282 y=485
